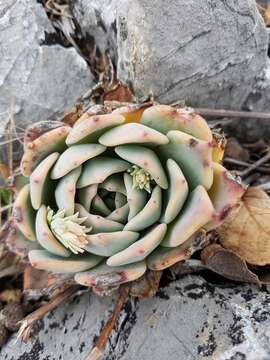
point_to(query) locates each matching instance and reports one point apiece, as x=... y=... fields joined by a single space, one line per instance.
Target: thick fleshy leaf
x=86 y=195
x=197 y=213
x=149 y=215
x=164 y=257
x=225 y=193
x=37 y=150
x=120 y=200
x=39 y=181
x=141 y=248
x=43 y=260
x=98 y=223
x=131 y=134
x=177 y=192
x=91 y=128
x=192 y=155
x=45 y=236
x=106 y=276
x=73 y=157
x=97 y=170
x=24 y=214
x=136 y=198
x=165 y=118
x=132 y=112
x=99 y=206
x=18 y=244
x=114 y=183
x=107 y=244
x=65 y=191
x=120 y=214
x=146 y=159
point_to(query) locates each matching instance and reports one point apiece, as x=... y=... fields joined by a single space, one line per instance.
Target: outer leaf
x=37 y=150
x=24 y=214
x=106 y=276
x=91 y=128
x=43 y=260
x=132 y=133
x=165 y=118
x=225 y=193
x=38 y=180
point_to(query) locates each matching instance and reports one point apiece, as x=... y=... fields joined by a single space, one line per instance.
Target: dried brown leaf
x=227 y=264
x=147 y=285
x=265 y=12
x=246 y=231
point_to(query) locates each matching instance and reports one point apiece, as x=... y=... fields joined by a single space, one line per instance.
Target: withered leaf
x=146 y=286
x=246 y=231
x=227 y=264
x=265 y=12
x=119 y=92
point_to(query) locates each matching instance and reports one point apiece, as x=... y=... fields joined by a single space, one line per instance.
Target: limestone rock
x=205 y=52
x=191 y=319
x=37 y=81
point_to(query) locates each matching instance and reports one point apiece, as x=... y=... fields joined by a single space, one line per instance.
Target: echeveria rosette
x=122 y=192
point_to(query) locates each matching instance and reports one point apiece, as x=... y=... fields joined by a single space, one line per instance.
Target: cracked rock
x=37 y=81
x=191 y=319
x=203 y=51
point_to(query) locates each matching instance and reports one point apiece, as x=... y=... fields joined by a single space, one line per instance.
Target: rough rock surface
x=191 y=319
x=258 y=100
x=41 y=81
x=206 y=52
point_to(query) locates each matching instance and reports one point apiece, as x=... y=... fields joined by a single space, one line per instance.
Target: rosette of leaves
x=122 y=192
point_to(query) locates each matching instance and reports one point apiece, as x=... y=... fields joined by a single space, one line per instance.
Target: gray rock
x=37 y=81
x=258 y=100
x=191 y=319
x=205 y=52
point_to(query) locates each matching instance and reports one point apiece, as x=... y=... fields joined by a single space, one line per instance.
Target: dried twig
x=231 y=113
x=97 y=351
x=245 y=164
x=28 y=322
x=255 y=165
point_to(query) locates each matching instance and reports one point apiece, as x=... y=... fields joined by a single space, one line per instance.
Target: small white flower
x=141 y=178
x=68 y=230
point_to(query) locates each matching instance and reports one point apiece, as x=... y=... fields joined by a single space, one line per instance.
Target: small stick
x=28 y=322
x=256 y=164
x=245 y=164
x=97 y=351
x=231 y=113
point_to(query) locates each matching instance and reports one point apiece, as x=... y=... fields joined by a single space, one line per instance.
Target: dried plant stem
x=245 y=164
x=28 y=322
x=97 y=351
x=255 y=165
x=231 y=113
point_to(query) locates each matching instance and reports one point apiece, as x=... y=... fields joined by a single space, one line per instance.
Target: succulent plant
x=122 y=192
